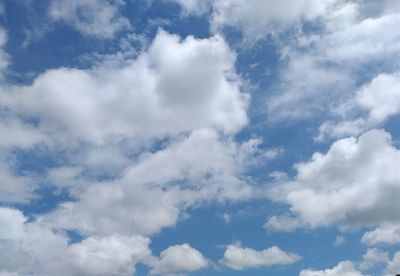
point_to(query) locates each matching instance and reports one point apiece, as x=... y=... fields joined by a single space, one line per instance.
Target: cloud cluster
x=158 y=94
x=354 y=184
x=31 y=247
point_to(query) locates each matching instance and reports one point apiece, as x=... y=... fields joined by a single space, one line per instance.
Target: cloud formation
x=239 y=258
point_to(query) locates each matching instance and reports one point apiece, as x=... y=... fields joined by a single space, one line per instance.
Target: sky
x=199 y=137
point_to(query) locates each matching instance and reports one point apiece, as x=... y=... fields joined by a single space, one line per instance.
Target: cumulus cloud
x=258 y=18
x=344 y=268
x=111 y=255
x=356 y=183
x=26 y=246
x=377 y=102
x=100 y=18
x=14 y=188
x=178 y=259
x=29 y=247
x=336 y=56
x=372 y=257
x=240 y=258
x=205 y=167
x=161 y=89
x=393 y=266
x=388 y=233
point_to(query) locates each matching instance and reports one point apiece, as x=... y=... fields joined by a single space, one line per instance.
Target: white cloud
x=282 y=223
x=100 y=18
x=379 y=100
x=345 y=268
x=26 y=246
x=239 y=258
x=258 y=18
x=339 y=240
x=386 y=233
x=161 y=89
x=205 y=167
x=193 y=7
x=112 y=255
x=356 y=183
x=373 y=257
x=325 y=68
x=14 y=188
x=32 y=248
x=178 y=259
x=393 y=266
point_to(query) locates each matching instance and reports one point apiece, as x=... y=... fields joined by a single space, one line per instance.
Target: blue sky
x=187 y=137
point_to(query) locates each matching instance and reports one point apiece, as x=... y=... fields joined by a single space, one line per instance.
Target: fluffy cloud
x=14 y=188
x=239 y=258
x=386 y=233
x=256 y=19
x=160 y=93
x=260 y=17
x=112 y=255
x=372 y=257
x=345 y=268
x=379 y=100
x=393 y=266
x=356 y=183
x=205 y=167
x=349 y=40
x=32 y=248
x=26 y=246
x=178 y=259
x=101 y=18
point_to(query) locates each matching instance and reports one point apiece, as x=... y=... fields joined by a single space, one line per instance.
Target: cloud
x=32 y=248
x=111 y=255
x=25 y=246
x=178 y=259
x=239 y=258
x=372 y=257
x=256 y=19
x=4 y=57
x=205 y=167
x=393 y=266
x=376 y=102
x=386 y=233
x=350 y=47
x=161 y=89
x=14 y=188
x=99 y=18
x=192 y=7
x=345 y=268
x=354 y=184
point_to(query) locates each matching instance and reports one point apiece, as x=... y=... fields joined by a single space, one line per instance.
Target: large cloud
x=325 y=68
x=111 y=255
x=239 y=258
x=30 y=247
x=174 y=86
x=191 y=170
x=356 y=183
